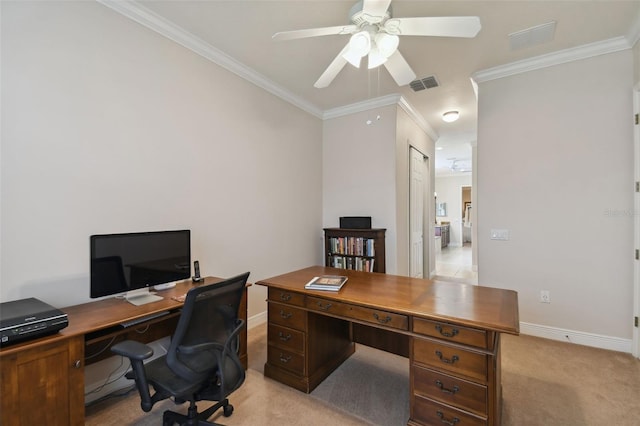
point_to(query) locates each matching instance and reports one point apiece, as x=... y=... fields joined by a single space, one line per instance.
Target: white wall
x=449 y=190
x=109 y=127
x=555 y=167
x=366 y=173
x=359 y=172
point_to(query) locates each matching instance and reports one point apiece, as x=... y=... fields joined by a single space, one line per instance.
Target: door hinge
x=635 y=321
x=637 y=254
x=637 y=119
x=637 y=186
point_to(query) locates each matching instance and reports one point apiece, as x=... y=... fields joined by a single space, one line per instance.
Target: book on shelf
x=326 y=282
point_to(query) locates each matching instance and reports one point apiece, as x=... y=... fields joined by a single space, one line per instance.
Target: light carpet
x=545 y=383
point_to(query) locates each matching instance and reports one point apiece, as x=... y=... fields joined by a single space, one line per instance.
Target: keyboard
x=145 y=318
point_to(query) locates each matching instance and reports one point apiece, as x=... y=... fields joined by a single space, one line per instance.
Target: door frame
x=635 y=349
x=427 y=229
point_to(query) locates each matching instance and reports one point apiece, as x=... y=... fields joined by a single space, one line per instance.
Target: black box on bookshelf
x=355 y=222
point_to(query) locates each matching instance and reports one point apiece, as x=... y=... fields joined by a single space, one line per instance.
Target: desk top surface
x=109 y=312
x=476 y=306
x=112 y=311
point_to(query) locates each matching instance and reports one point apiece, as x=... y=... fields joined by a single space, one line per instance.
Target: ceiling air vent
x=425 y=83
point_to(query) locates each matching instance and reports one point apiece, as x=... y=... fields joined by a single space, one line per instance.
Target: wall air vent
x=424 y=83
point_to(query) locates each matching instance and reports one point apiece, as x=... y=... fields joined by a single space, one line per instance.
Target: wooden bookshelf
x=358 y=249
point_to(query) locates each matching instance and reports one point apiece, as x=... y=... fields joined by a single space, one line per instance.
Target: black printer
x=29 y=319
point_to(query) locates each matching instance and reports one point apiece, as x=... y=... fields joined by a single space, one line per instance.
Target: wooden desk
x=450 y=332
x=42 y=380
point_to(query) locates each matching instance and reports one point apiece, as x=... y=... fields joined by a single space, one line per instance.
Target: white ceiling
x=242 y=29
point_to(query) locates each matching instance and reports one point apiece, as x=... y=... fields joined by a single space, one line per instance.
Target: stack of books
x=326 y=283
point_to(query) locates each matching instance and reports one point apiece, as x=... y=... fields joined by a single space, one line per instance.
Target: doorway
x=453 y=230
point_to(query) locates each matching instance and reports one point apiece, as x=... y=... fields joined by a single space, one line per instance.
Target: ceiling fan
x=374 y=33
x=457 y=167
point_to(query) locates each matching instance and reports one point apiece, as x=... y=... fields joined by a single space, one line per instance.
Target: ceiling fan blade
x=441 y=26
x=314 y=32
x=399 y=69
x=375 y=7
x=332 y=70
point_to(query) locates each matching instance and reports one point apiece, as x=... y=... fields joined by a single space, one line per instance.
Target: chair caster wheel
x=228 y=410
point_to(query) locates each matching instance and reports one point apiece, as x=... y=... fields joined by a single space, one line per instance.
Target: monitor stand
x=141 y=297
x=164 y=286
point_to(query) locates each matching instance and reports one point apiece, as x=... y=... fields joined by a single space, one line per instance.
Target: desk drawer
x=452 y=333
x=429 y=412
x=374 y=316
x=450 y=390
x=285 y=359
x=287 y=315
x=284 y=296
x=455 y=360
x=286 y=338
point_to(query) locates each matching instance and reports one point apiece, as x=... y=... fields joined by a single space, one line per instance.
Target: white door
x=416 y=213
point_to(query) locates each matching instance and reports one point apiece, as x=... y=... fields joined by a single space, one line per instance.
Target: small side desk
x=42 y=380
x=449 y=331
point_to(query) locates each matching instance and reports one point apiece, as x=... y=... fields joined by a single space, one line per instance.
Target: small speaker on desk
x=355 y=222
x=196 y=272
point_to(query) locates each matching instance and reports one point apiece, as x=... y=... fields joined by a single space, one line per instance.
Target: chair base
x=193 y=418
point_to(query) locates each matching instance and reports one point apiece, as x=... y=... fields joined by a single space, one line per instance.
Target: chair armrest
x=137 y=352
x=132 y=350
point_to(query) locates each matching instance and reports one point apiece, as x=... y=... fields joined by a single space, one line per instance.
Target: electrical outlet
x=545 y=297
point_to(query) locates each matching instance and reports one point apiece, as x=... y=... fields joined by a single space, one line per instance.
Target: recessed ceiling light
x=439 y=148
x=450 y=116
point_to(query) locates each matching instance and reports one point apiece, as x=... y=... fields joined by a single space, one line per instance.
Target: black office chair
x=202 y=360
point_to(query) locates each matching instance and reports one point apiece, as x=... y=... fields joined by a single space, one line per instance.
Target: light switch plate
x=500 y=234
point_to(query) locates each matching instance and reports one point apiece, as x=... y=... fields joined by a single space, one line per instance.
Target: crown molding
x=382 y=102
x=143 y=16
x=366 y=105
x=560 y=57
x=153 y=21
x=419 y=119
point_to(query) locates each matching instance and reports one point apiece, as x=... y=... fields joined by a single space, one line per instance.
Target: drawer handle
x=285 y=359
x=284 y=337
x=285 y=315
x=445 y=421
x=285 y=297
x=446 y=360
x=453 y=333
x=445 y=390
x=382 y=320
x=324 y=307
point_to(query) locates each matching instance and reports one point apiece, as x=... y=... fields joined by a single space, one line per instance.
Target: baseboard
x=256 y=320
x=578 y=337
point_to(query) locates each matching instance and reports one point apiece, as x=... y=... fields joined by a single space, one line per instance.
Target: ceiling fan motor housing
x=358 y=17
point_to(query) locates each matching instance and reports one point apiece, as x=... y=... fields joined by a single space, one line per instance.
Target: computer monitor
x=128 y=262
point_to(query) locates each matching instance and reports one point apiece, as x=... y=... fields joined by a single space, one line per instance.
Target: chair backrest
x=208 y=318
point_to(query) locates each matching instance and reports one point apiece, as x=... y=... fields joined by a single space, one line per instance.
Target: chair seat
x=165 y=381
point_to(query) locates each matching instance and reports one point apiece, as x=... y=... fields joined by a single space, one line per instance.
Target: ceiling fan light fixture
x=450 y=116
x=376 y=58
x=359 y=46
x=387 y=43
x=352 y=57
